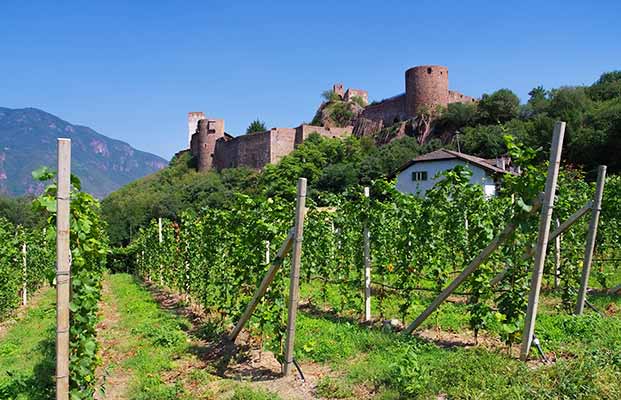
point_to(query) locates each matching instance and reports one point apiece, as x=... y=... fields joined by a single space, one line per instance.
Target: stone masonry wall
x=302 y=132
x=387 y=110
x=351 y=93
x=456 y=97
x=281 y=143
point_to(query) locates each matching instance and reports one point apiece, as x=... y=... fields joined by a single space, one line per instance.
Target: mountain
x=28 y=141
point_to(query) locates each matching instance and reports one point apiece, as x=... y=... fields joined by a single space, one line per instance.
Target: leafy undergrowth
x=392 y=366
x=159 y=351
x=27 y=352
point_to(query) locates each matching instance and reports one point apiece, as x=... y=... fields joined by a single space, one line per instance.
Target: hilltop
x=28 y=141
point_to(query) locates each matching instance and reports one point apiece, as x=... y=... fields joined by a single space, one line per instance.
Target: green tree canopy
x=498 y=107
x=256 y=126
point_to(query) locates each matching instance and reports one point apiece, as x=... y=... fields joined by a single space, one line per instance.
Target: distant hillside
x=28 y=141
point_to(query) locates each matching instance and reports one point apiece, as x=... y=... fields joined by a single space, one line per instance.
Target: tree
x=499 y=107
x=256 y=126
x=607 y=87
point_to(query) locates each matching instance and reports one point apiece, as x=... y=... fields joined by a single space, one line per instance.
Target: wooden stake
x=63 y=269
x=296 y=258
x=367 y=266
x=24 y=276
x=542 y=239
x=557 y=256
x=160 y=240
x=265 y=283
x=592 y=235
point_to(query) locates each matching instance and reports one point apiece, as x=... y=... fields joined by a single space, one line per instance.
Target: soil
x=113 y=378
x=242 y=361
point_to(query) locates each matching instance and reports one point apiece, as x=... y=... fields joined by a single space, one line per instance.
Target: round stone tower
x=203 y=144
x=425 y=86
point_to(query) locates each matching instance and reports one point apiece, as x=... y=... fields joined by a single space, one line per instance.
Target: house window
x=419 y=176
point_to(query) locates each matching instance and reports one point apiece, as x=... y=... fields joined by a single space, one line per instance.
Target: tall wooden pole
x=367 y=265
x=592 y=235
x=542 y=239
x=160 y=240
x=63 y=269
x=24 y=276
x=557 y=256
x=294 y=288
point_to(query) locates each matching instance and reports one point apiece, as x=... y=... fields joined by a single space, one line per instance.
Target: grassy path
x=27 y=351
x=150 y=353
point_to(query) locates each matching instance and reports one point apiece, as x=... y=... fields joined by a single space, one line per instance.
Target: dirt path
x=243 y=362
x=114 y=378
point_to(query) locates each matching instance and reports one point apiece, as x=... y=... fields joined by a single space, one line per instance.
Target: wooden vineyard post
x=160 y=240
x=542 y=239
x=557 y=256
x=24 y=276
x=367 y=265
x=592 y=235
x=294 y=288
x=63 y=269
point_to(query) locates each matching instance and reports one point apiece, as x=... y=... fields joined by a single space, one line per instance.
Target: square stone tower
x=193 y=118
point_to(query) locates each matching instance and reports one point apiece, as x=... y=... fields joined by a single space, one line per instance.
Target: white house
x=420 y=174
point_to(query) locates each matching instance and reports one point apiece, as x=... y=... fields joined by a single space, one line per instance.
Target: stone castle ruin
x=213 y=148
x=426 y=87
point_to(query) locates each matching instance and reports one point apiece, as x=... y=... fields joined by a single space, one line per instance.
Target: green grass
x=160 y=343
x=398 y=367
x=27 y=353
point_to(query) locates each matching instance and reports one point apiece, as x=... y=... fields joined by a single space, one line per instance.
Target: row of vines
x=26 y=262
x=89 y=249
x=217 y=258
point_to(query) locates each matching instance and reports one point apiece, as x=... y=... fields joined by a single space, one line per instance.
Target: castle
x=426 y=87
x=213 y=148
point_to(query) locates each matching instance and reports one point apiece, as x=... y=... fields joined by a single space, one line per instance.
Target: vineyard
x=371 y=261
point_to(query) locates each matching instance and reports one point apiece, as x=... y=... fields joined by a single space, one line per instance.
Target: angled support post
x=591 y=236
x=265 y=283
x=485 y=253
x=542 y=239
x=554 y=235
x=294 y=285
x=63 y=269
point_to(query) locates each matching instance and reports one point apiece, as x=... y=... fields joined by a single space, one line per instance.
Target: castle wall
x=456 y=97
x=351 y=93
x=303 y=131
x=255 y=150
x=387 y=110
x=425 y=86
x=282 y=142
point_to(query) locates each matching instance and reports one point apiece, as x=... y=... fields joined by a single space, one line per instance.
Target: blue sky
x=133 y=69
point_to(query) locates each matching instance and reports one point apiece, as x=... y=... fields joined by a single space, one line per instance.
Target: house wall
x=405 y=184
